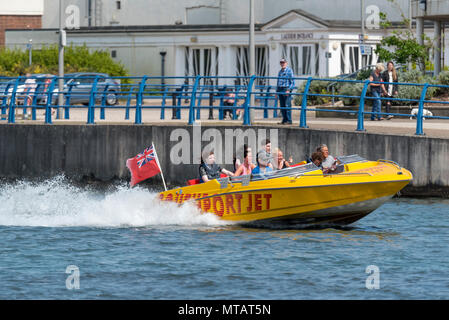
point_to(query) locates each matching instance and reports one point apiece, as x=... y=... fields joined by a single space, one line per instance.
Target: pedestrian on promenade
x=28 y=92
x=285 y=85
x=390 y=90
x=229 y=102
x=376 y=91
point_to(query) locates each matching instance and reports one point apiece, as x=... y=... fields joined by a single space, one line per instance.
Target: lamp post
x=163 y=53
x=30 y=52
x=62 y=43
x=252 y=52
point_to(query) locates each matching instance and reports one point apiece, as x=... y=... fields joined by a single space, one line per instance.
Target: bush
x=364 y=74
x=316 y=87
x=14 y=62
x=414 y=92
x=351 y=89
x=443 y=78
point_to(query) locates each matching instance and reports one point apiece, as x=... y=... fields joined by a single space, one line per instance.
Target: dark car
x=78 y=87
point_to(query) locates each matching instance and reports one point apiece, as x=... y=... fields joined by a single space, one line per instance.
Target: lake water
x=123 y=244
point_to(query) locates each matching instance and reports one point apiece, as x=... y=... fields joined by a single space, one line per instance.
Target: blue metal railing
x=102 y=93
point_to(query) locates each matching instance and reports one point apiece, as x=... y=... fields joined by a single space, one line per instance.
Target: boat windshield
x=276 y=174
x=350 y=159
x=291 y=171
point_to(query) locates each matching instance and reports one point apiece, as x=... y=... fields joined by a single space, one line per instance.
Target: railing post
x=275 y=105
x=361 y=112
x=138 y=119
x=12 y=103
x=164 y=97
x=419 y=116
x=211 y=101
x=246 y=115
x=221 y=105
x=265 y=103
x=176 y=114
x=303 y=116
x=67 y=101
x=104 y=102
x=91 y=108
x=128 y=102
x=49 y=102
x=192 y=101
x=4 y=101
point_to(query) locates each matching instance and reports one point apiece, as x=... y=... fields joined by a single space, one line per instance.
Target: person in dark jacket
x=209 y=170
x=390 y=90
x=376 y=91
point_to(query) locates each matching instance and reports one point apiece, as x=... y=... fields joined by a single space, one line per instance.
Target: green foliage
x=443 y=78
x=316 y=87
x=14 y=62
x=402 y=46
x=351 y=89
x=414 y=92
x=364 y=74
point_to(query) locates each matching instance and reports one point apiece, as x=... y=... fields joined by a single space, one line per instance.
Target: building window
x=118 y=4
x=242 y=64
x=352 y=60
x=114 y=54
x=303 y=58
x=201 y=62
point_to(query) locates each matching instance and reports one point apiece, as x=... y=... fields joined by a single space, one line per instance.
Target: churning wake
x=57 y=203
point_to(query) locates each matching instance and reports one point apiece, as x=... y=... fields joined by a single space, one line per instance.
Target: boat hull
x=308 y=199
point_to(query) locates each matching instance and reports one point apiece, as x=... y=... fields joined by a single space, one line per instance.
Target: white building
x=197 y=41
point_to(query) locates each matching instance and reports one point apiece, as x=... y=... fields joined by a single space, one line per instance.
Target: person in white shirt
x=329 y=161
x=389 y=89
x=28 y=92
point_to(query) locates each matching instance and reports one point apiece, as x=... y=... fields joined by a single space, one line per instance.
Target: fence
x=234 y=93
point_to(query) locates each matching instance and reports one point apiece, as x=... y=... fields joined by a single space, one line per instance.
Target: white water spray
x=56 y=203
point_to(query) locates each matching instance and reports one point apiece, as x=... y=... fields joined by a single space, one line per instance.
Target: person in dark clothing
x=229 y=101
x=376 y=91
x=389 y=89
x=209 y=170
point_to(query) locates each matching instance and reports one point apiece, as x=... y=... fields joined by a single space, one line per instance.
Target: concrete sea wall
x=99 y=152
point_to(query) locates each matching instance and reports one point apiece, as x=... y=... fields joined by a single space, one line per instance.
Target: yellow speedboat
x=299 y=195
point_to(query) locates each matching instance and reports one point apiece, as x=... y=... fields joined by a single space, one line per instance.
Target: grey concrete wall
x=100 y=151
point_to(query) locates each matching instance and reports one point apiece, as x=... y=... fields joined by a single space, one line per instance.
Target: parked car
x=78 y=87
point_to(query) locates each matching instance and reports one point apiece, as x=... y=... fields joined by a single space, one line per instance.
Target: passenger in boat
x=264 y=157
x=236 y=161
x=317 y=159
x=329 y=161
x=209 y=170
x=261 y=169
x=247 y=166
x=281 y=162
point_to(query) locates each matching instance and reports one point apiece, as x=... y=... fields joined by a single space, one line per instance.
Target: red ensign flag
x=143 y=166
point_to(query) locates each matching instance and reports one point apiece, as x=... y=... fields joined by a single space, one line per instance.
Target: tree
x=402 y=45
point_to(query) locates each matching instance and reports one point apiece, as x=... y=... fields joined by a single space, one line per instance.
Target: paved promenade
x=397 y=126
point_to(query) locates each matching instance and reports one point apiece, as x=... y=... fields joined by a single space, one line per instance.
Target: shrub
x=443 y=78
x=316 y=87
x=351 y=89
x=14 y=62
x=414 y=92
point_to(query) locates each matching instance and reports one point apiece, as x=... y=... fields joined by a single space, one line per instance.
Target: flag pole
x=157 y=161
